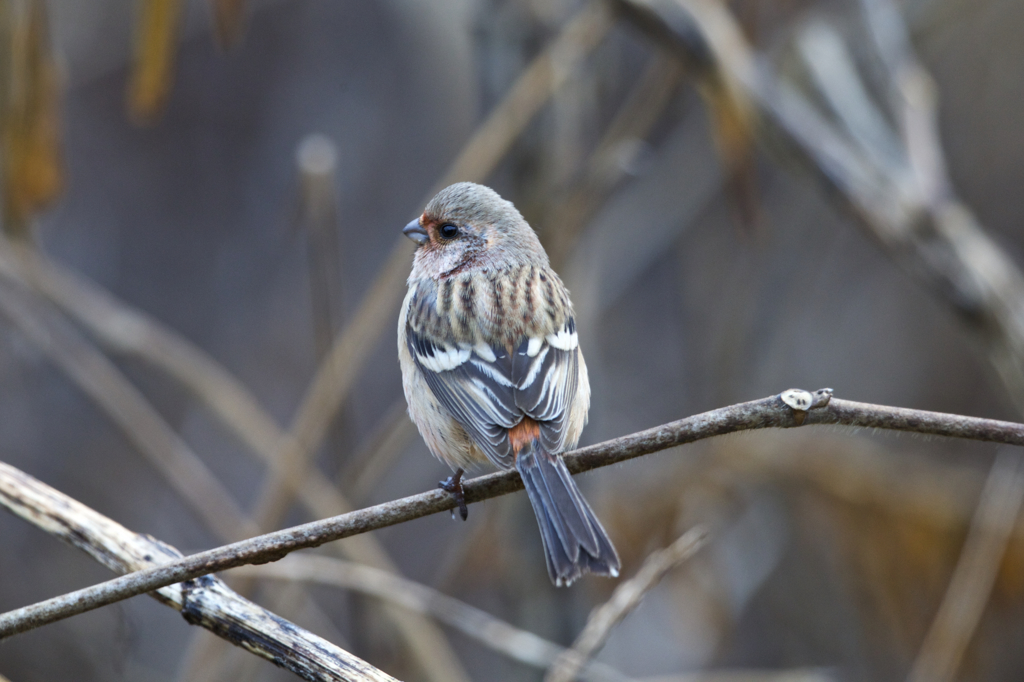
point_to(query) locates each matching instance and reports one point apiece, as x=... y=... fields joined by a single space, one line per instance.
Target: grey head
x=469 y=225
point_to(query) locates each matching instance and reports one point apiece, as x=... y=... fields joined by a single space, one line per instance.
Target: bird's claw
x=453 y=485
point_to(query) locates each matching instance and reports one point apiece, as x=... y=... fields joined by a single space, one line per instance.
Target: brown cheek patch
x=430 y=225
x=522 y=434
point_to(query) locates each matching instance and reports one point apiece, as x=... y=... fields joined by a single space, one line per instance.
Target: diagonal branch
x=498 y=635
x=624 y=600
x=971 y=586
x=206 y=602
x=158 y=442
x=790 y=409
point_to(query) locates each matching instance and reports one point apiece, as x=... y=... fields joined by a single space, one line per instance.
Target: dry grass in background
x=203 y=267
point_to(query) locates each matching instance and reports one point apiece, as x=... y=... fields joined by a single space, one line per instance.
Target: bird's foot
x=453 y=485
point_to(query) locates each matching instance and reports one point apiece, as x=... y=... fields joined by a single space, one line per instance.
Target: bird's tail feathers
x=575 y=543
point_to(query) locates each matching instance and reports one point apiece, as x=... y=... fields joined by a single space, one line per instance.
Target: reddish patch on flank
x=523 y=433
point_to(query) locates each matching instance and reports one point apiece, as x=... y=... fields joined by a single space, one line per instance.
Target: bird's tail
x=574 y=540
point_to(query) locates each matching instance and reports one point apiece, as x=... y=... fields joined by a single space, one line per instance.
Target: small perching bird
x=491 y=365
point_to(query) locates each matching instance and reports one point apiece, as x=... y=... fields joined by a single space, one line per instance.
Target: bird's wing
x=545 y=372
x=475 y=385
x=488 y=390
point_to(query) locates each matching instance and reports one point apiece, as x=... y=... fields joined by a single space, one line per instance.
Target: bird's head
x=468 y=226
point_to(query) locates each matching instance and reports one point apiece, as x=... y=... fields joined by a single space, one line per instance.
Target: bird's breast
x=495 y=306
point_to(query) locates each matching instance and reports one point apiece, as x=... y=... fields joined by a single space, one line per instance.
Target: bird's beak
x=416 y=233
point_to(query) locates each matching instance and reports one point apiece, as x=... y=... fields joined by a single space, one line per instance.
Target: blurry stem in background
x=624 y=600
x=98 y=378
x=792 y=408
x=317 y=161
x=30 y=129
x=729 y=109
x=156 y=48
x=543 y=76
x=389 y=438
x=615 y=156
x=207 y=602
x=515 y=643
x=909 y=207
x=496 y=634
x=330 y=387
x=229 y=18
x=751 y=675
x=971 y=585
x=941 y=496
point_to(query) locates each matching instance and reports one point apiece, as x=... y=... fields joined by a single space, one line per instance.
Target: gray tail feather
x=574 y=540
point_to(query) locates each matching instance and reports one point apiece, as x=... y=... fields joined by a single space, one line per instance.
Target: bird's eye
x=448 y=231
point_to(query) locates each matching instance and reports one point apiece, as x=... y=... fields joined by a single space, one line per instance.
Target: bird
x=492 y=369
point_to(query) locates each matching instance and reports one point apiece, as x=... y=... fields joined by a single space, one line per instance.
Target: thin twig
x=100 y=379
x=616 y=152
x=971 y=585
x=126 y=330
x=390 y=438
x=498 y=635
x=317 y=216
x=770 y=412
x=545 y=75
x=207 y=602
x=624 y=600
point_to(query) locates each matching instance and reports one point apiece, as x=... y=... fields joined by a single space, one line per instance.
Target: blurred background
x=202 y=268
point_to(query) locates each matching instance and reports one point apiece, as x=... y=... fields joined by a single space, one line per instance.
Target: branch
x=624 y=600
x=790 y=409
x=494 y=633
x=207 y=602
x=971 y=585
